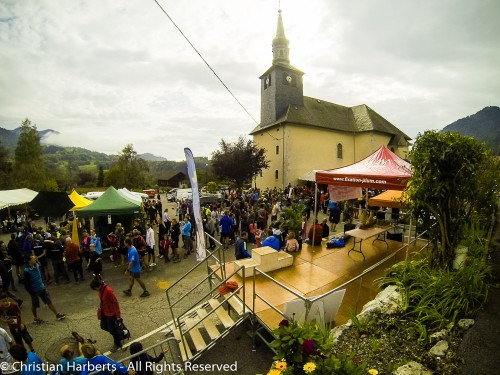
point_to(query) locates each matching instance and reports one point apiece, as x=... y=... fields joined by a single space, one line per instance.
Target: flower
x=274 y=371
x=309 y=367
x=281 y=365
x=308 y=347
x=373 y=371
x=284 y=322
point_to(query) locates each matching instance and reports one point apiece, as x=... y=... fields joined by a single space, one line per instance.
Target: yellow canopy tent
x=389 y=198
x=78 y=201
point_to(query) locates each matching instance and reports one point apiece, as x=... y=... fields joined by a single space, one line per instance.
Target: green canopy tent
x=114 y=204
x=110 y=203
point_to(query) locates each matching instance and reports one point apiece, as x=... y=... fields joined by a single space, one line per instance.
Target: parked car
x=171 y=195
x=150 y=192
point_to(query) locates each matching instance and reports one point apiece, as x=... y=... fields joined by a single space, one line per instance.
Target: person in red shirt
x=72 y=254
x=316 y=233
x=10 y=313
x=109 y=310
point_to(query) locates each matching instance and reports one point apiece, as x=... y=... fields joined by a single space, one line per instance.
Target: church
x=301 y=134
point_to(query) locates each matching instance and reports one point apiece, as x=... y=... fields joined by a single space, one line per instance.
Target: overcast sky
x=107 y=73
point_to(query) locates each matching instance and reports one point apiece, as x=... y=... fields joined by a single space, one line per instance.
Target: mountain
x=9 y=141
x=484 y=126
x=150 y=157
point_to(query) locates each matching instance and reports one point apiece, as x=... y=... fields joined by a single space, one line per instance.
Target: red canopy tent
x=381 y=170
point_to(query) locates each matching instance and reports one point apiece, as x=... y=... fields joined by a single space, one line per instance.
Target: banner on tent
x=201 y=252
x=343 y=193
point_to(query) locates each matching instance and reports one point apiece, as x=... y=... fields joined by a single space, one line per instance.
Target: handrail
x=368 y=270
x=226 y=299
x=210 y=255
x=194 y=287
x=177 y=367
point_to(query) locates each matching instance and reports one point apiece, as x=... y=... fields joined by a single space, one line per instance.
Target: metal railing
x=347 y=285
x=218 y=257
x=216 y=277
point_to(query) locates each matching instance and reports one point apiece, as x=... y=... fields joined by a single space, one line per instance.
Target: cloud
x=120 y=72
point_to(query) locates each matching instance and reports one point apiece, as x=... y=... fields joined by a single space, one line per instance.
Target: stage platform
x=317 y=270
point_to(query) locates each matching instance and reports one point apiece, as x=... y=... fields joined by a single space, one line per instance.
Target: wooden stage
x=317 y=270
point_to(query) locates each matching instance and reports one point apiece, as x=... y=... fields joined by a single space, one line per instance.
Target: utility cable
x=205 y=61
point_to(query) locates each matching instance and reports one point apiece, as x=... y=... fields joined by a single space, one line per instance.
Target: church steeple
x=281 y=85
x=281 y=52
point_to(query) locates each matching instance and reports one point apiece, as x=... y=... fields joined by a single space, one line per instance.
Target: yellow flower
x=309 y=367
x=373 y=372
x=281 y=366
x=274 y=372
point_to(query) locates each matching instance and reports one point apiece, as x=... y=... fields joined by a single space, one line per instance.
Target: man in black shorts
x=33 y=283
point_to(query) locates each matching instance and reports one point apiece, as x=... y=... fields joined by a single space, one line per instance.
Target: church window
x=339 y=151
x=276 y=174
x=277 y=150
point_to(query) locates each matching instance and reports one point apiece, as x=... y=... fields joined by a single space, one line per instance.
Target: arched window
x=339 y=151
x=276 y=174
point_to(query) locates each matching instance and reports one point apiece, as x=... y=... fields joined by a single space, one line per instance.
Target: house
x=173 y=179
x=301 y=134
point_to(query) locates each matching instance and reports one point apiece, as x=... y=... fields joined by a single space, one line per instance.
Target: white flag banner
x=201 y=251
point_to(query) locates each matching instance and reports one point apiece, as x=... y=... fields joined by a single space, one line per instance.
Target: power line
x=205 y=61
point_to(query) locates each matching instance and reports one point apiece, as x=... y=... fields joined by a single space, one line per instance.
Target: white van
x=181 y=194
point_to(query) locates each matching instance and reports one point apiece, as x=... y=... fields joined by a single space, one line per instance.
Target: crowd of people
x=253 y=216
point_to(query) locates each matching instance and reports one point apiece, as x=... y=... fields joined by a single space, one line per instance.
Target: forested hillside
x=484 y=125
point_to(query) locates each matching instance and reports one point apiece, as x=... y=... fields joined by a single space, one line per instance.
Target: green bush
x=435 y=298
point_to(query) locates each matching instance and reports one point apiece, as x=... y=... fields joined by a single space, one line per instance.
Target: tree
x=447 y=188
x=5 y=168
x=29 y=170
x=129 y=171
x=238 y=162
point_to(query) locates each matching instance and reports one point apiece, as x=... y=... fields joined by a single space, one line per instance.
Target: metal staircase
x=198 y=326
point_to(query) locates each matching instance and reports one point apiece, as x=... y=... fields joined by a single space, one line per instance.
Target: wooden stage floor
x=317 y=270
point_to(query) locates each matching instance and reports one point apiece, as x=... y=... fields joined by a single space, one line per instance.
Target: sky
x=109 y=73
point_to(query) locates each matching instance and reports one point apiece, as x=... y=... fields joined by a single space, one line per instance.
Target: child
x=164 y=247
x=259 y=237
x=291 y=243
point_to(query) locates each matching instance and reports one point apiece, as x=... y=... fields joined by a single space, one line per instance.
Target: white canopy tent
x=16 y=197
x=131 y=196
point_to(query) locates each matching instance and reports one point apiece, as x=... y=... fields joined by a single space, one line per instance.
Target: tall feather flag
x=201 y=251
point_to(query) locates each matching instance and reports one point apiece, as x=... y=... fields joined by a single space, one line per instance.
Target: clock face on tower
x=288 y=79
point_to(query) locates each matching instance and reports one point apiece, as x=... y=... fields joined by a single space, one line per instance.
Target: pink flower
x=308 y=347
x=284 y=322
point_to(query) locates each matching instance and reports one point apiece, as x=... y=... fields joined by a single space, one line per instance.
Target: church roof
x=326 y=115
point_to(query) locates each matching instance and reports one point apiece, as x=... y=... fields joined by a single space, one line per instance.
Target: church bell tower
x=281 y=85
